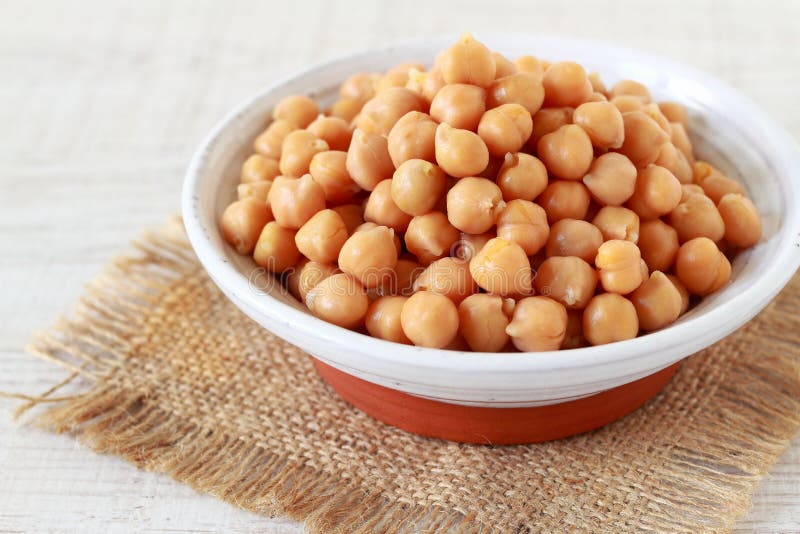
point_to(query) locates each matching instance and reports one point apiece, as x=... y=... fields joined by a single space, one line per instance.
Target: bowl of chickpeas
x=500 y=241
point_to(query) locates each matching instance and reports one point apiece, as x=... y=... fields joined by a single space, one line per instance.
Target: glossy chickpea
x=503 y=66
x=429 y=320
x=524 y=223
x=333 y=130
x=368 y=161
x=430 y=236
x=520 y=88
x=473 y=204
x=564 y=199
x=297 y=109
x=658 y=243
x=275 y=250
x=617 y=223
x=697 y=216
x=643 y=138
x=567 y=153
x=567 y=279
x=297 y=150
x=412 y=137
x=351 y=214
x=242 y=222
x=460 y=105
x=468 y=61
x=505 y=129
x=741 y=218
x=306 y=275
x=609 y=318
x=675 y=161
x=657 y=301
x=381 y=208
x=469 y=244
x=417 y=186
x=685 y=296
x=398 y=245
x=383 y=319
x=369 y=256
x=538 y=324
x=548 y=120
x=619 y=265
x=501 y=267
x=652 y=111
x=256 y=190
x=611 y=179
x=449 y=277
x=630 y=88
x=597 y=83
x=396 y=76
x=295 y=200
x=565 y=84
x=346 y=109
x=714 y=183
x=402 y=280
x=426 y=84
x=531 y=65
x=674 y=112
x=680 y=139
x=572 y=237
x=657 y=193
x=329 y=170
x=521 y=176
x=359 y=86
x=627 y=103
x=384 y=109
x=688 y=190
x=339 y=299
x=460 y=152
x=321 y=238
x=602 y=122
x=269 y=142
x=258 y=168
x=701 y=267
x=483 y=320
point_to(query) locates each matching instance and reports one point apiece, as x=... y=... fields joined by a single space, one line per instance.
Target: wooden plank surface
x=101 y=105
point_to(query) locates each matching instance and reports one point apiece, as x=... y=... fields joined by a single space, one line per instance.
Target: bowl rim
x=703 y=330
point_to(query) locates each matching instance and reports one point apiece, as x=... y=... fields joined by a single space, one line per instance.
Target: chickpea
x=258 y=168
x=352 y=215
x=658 y=243
x=360 y=87
x=468 y=61
x=269 y=142
x=701 y=267
x=321 y=238
x=608 y=318
x=684 y=293
x=333 y=130
x=565 y=199
x=381 y=209
x=714 y=183
x=571 y=237
x=275 y=250
x=501 y=267
x=383 y=319
x=524 y=223
x=369 y=255
x=675 y=161
x=657 y=301
x=688 y=190
x=652 y=111
x=619 y=265
x=548 y=120
x=396 y=76
x=657 y=193
x=611 y=179
x=643 y=138
x=429 y=320
x=567 y=153
x=631 y=88
x=473 y=204
x=680 y=139
x=306 y=275
x=297 y=109
x=567 y=279
x=241 y=223
x=346 y=109
x=256 y=190
x=339 y=299
x=505 y=129
x=426 y=84
x=384 y=109
x=627 y=103
x=597 y=97
x=329 y=170
x=531 y=65
x=742 y=221
x=503 y=66
x=602 y=122
x=368 y=161
x=520 y=88
x=401 y=282
x=430 y=236
x=412 y=137
x=295 y=200
x=459 y=152
x=459 y=105
x=597 y=84
x=483 y=320
x=398 y=245
x=297 y=150
x=674 y=112
x=449 y=277
x=697 y=216
x=538 y=324
x=417 y=186
x=565 y=84
x=521 y=176
x=470 y=244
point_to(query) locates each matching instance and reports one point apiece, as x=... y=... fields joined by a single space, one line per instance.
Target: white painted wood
x=101 y=104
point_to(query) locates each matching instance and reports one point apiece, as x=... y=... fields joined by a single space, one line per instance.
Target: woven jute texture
x=165 y=372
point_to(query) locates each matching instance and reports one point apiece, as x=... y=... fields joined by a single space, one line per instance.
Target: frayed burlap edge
x=101 y=333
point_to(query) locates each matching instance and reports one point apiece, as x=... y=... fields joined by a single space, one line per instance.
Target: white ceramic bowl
x=727 y=129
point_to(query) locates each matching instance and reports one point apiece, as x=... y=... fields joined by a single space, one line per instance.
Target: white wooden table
x=101 y=105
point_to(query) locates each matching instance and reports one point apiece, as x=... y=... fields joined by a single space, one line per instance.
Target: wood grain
x=101 y=105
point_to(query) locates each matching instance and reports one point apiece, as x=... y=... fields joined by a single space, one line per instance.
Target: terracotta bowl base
x=493 y=426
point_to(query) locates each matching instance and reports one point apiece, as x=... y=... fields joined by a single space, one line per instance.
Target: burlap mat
x=168 y=374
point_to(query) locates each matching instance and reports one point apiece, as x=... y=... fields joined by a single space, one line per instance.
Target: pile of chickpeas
x=490 y=205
